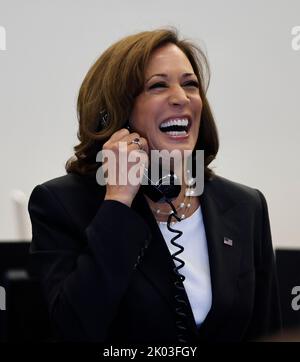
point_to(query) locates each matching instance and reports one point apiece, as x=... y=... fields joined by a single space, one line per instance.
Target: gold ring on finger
x=136 y=141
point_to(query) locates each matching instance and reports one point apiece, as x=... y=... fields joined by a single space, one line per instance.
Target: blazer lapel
x=157 y=263
x=224 y=249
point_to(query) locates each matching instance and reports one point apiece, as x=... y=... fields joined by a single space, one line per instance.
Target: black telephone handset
x=165 y=189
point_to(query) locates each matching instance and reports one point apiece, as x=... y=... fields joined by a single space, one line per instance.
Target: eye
x=192 y=83
x=158 y=85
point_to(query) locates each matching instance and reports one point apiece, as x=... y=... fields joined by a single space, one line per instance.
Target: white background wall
x=254 y=89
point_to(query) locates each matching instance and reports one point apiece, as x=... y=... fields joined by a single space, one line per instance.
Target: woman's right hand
x=126 y=191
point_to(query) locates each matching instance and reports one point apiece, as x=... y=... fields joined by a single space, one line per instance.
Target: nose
x=178 y=97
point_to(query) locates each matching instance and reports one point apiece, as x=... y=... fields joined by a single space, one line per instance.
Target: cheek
x=198 y=104
x=198 y=112
x=137 y=117
x=148 y=115
x=141 y=114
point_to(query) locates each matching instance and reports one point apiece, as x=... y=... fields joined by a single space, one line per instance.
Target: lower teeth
x=176 y=133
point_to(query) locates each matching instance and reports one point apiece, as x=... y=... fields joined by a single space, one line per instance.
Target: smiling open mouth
x=175 y=127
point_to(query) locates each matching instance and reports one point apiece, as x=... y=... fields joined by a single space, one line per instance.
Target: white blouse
x=196 y=270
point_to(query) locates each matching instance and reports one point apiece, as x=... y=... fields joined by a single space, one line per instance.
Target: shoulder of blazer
x=73 y=186
x=73 y=182
x=227 y=193
x=79 y=196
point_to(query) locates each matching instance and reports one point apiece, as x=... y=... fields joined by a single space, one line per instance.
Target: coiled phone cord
x=181 y=303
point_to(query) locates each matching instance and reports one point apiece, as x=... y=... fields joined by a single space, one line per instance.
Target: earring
x=103 y=122
x=127 y=125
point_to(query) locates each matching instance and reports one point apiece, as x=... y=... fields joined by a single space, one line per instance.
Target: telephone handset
x=165 y=188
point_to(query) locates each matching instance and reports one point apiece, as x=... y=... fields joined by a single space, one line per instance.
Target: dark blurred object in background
x=26 y=317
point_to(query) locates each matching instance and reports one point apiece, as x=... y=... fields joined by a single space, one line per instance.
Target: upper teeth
x=175 y=122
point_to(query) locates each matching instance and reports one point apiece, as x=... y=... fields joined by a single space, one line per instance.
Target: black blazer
x=107 y=272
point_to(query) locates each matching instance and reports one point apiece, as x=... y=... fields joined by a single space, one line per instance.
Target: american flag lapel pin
x=228 y=241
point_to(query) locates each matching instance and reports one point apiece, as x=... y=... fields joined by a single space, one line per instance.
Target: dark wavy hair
x=110 y=88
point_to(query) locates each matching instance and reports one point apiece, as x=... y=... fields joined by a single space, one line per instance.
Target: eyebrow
x=184 y=75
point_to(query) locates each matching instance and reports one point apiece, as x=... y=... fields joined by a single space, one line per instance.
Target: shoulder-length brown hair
x=110 y=88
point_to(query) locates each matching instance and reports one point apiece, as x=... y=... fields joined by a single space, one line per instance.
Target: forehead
x=168 y=58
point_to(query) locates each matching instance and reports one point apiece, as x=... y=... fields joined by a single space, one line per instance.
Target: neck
x=185 y=206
